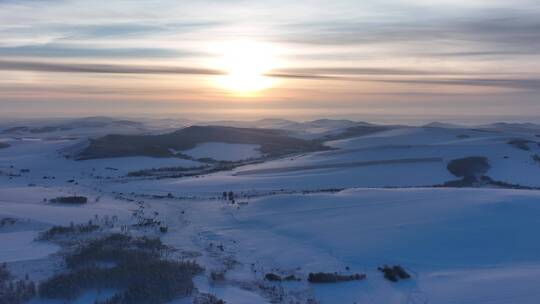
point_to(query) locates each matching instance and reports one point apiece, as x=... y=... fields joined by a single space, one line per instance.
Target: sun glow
x=245 y=64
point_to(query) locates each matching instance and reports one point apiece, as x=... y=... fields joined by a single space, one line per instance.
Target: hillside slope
x=272 y=142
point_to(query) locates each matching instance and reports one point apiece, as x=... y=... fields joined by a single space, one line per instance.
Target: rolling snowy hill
x=379 y=196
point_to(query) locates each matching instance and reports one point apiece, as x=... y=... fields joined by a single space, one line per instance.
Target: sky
x=272 y=58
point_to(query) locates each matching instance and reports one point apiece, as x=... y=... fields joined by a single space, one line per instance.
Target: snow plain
x=461 y=245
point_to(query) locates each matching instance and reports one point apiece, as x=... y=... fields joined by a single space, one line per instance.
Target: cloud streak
x=336 y=74
x=337 y=51
x=64 y=51
x=102 y=68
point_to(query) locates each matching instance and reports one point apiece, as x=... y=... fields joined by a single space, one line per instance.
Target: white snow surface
x=460 y=245
x=224 y=151
x=20 y=246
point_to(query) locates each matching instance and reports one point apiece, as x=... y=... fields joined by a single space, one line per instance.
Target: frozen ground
x=460 y=245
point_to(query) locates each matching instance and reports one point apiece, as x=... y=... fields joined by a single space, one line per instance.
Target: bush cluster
x=277 y=278
x=394 y=273
x=14 y=291
x=137 y=270
x=328 y=277
x=68 y=230
x=157 y=171
x=205 y=298
x=7 y=221
x=75 y=200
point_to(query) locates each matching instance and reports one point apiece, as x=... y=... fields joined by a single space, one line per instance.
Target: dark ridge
x=355 y=131
x=522 y=144
x=88 y=122
x=16 y=129
x=483 y=181
x=272 y=142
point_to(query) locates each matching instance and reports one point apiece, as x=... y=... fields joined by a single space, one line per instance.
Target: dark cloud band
x=339 y=74
x=102 y=68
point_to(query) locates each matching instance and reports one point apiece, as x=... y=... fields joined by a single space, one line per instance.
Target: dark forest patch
x=72 y=200
x=355 y=131
x=469 y=167
x=522 y=144
x=137 y=270
x=271 y=142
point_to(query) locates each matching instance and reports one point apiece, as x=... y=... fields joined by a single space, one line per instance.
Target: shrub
x=139 y=271
x=75 y=200
x=272 y=277
x=14 y=291
x=6 y=221
x=205 y=298
x=117 y=248
x=217 y=276
x=5 y=275
x=276 y=278
x=291 y=277
x=327 y=277
x=394 y=273
x=68 y=230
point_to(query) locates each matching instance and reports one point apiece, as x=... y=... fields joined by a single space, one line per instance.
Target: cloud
x=502 y=33
x=530 y=84
x=64 y=51
x=343 y=74
x=355 y=71
x=102 y=68
x=511 y=83
x=422 y=49
x=129 y=29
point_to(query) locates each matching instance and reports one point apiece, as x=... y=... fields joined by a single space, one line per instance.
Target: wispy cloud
x=344 y=74
x=102 y=68
x=66 y=51
x=512 y=83
x=332 y=50
x=480 y=29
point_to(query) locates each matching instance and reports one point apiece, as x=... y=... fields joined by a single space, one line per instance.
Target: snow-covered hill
x=375 y=198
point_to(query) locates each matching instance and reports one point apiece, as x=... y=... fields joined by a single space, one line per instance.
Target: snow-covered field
x=224 y=151
x=444 y=237
x=368 y=202
x=404 y=157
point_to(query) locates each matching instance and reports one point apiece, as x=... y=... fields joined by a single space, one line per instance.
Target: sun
x=245 y=64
